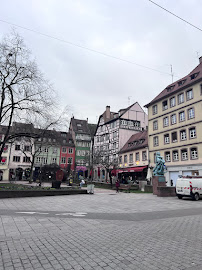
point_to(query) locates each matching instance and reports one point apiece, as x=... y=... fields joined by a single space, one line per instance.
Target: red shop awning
x=133 y=169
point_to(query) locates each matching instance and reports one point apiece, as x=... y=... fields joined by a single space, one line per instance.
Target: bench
x=125 y=187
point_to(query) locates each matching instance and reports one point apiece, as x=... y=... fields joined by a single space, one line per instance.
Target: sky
x=133 y=30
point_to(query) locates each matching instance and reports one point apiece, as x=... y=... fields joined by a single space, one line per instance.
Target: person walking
x=117 y=185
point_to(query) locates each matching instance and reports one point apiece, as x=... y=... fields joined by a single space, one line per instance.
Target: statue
x=159 y=168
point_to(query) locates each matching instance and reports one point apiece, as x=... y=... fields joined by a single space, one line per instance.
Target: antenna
x=129 y=100
x=171 y=72
x=198 y=56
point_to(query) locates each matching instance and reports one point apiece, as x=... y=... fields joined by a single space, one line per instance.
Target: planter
x=39 y=193
x=56 y=184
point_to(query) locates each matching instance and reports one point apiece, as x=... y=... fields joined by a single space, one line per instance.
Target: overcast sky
x=134 y=30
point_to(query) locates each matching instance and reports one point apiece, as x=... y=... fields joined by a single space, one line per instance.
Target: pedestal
x=158 y=181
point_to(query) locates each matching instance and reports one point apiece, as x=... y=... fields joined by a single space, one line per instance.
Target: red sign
x=59 y=175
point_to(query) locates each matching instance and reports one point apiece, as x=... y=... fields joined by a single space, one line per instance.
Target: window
x=55 y=150
x=194 y=154
x=120 y=159
x=5 y=149
x=155 y=125
x=166 y=138
x=114 y=134
x=70 y=151
x=184 y=154
x=125 y=158
x=70 y=160
x=45 y=160
x=174 y=137
x=54 y=160
x=154 y=109
x=193 y=76
x=38 y=160
x=46 y=150
x=173 y=119
x=3 y=160
x=27 y=148
x=165 y=121
x=181 y=82
x=78 y=125
x=137 y=156
x=167 y=156
x=183 y=135
x=26 y=159
x=98 y=139
x=49 y=139
x=64 y=150
x=17 y=147
x=16 y=159
x=175 y=155
x=182 y=116
x=156 y=141
x=144 y=155
x=131 y=158
x=189 y=94
x=107 y=137
x=192 y=133
x=191 y=113
x=172 y=102
x=165 y=105
x=180 y=98
x=63 y=160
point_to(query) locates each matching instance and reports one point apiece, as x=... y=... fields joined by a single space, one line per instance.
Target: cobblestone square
x=101 y=231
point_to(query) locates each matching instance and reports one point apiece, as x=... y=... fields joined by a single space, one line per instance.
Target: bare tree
x=101 y=158
x=25 y=94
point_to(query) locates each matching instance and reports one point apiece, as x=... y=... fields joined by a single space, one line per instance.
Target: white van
x=189 y=186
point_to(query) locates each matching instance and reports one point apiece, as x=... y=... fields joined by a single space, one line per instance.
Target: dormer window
x=170 y=88
x=181 y=82
x=193 y=76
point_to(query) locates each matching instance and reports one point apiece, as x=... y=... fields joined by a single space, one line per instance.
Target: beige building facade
x=175 y=126
x=133 y=157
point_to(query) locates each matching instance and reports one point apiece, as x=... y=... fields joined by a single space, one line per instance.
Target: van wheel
x=195 y=197
x=179 y=196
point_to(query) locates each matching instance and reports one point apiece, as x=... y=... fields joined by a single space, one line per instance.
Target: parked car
x=189 y=186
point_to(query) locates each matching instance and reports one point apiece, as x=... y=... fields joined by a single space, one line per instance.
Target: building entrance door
x=173 y=177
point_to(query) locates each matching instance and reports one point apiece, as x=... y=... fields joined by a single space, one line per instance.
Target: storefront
x=132 y=173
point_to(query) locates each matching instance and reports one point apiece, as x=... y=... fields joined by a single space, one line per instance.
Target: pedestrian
x=117 y=185
x=82 y=183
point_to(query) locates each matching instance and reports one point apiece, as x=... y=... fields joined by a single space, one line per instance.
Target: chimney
x=200 y=59
x=107 y=112
x=87 y=120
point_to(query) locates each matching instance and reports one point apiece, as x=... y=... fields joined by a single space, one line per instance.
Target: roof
x=65 y=139
x=179 y=85
x=136 y=141
x=92 y=129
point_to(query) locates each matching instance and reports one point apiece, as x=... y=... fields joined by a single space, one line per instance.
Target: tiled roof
x=80 y=126
x=179 y=85
x=136 y=141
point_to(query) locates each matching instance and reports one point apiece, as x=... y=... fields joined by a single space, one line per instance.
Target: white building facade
x=113 y=131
